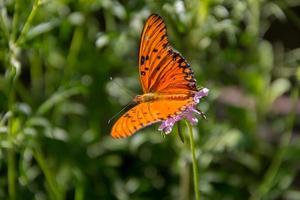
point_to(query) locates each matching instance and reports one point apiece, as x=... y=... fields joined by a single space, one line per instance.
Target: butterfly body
x=149 y=97
x=166 y=78
x=146 y=97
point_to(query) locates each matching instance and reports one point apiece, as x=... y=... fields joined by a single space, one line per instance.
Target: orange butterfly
x=169 y=87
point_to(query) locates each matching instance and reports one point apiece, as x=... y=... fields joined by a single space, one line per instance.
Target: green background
x=56 y=97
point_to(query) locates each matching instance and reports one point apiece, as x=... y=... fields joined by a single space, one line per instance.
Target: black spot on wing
x=162 y=37
x=142 y=60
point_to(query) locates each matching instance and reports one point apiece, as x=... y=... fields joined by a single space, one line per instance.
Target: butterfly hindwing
x=162 y=69
x=145 y=114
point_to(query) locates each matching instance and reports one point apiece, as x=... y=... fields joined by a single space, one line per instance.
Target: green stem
x=4 y=28
x=74 y=50
x=11 y=153
x=28 y=22
x=195 y=164
x=15 y=20
x=79 y=191
x=11 y=174
x=54 y=190
x=203 y=10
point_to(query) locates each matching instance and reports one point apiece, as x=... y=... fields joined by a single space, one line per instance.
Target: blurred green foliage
x=56 y=58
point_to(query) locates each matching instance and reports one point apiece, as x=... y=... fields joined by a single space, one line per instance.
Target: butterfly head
x=138 y=98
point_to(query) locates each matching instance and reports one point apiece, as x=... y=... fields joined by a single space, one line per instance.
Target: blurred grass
x=56 y=58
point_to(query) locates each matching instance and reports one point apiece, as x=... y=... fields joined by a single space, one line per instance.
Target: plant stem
x=11 y=79
x=15 y=20
x=74 y=50
x=54 y=190
x=28 y=22
x=203 y=10
x=79 y=191
x=11 y=174
x=4 y=28
x=195 y=163
x=10 y=152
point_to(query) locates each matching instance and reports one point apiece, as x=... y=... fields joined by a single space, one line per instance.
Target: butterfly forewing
x=161 y=68
x=151 y=47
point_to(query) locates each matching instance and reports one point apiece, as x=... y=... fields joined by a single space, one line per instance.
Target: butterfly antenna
x=127 y=105
x=202 y=114
x=128 y=92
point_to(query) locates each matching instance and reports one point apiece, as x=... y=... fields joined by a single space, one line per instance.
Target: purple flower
x=167 y=125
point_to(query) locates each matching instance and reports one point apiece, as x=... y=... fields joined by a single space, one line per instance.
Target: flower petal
x=168 y=129
x=167 y=125
x=203 y=92
x=192 y=119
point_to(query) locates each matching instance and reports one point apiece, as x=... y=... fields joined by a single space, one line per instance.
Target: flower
x=167 y=125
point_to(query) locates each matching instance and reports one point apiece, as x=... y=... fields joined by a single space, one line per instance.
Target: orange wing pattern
x=147 y=113
x=161 y=69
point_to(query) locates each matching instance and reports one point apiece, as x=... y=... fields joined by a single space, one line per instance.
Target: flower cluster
x=167 y=125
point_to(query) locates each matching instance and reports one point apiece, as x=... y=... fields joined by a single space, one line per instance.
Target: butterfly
x=167 y=80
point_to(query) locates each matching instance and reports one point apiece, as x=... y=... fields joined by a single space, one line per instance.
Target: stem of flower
x=195 y=164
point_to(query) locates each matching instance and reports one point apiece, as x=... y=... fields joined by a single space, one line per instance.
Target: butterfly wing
x=147 y=113
x=162 y=70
